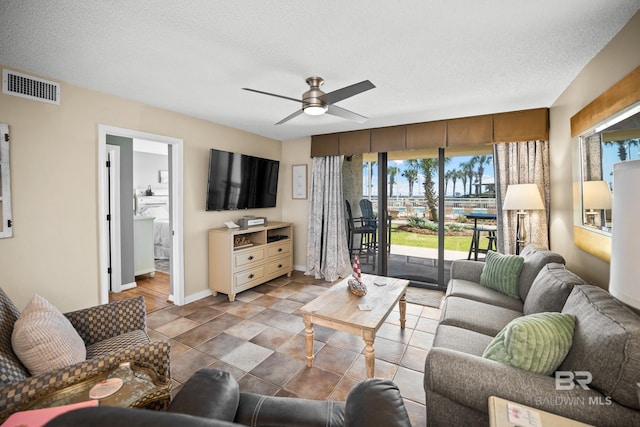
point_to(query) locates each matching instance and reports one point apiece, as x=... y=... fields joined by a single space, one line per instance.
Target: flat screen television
x=239 y=181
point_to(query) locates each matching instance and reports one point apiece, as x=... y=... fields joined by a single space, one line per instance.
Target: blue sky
x=401 y=187
x=610 y=156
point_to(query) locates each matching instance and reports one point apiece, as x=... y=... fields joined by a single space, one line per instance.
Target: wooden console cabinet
x=241 y=258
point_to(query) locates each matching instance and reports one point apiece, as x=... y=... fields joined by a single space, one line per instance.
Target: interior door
x=112 y=201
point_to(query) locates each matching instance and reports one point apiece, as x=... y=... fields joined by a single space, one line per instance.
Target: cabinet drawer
x=247 y=258
x=276 y=249
x=280 y=265
x=254 y=274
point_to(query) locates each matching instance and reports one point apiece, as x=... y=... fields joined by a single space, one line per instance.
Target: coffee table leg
x=369 y=353
x=308 y=341
x=403 y=310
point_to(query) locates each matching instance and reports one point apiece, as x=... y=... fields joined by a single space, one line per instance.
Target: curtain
x=327 y=250
x=522 y=163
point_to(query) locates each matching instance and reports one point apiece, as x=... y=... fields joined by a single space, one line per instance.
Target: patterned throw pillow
x=44 y=339
x=537 y=343
x=501 y=273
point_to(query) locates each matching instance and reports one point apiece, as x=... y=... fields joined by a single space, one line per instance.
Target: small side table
x=499 y=415
x=142 y=390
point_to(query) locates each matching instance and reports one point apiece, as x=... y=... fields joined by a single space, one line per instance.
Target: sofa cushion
x=44 y=339
x=534 y=259
x=476 y=316
x=537 y=343
x=501 y=273
x=473 y=290
x=463 y=340
x=550 y=289
x=606 y=343
x=11 y=369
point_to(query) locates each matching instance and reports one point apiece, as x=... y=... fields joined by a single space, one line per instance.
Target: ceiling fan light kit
x=315 y=102
x=312 y=102
x=315 y=110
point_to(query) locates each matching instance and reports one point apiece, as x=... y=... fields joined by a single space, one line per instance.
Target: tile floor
x=259 y=339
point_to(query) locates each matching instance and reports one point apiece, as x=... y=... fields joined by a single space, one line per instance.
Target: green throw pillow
x=501 y=273
x=537 y=343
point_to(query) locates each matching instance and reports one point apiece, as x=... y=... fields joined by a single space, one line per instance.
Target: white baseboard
x=197 y=296
x=128 y=286
x=300 y=268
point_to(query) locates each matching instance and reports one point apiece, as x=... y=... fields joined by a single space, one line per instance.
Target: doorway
x=174 y=190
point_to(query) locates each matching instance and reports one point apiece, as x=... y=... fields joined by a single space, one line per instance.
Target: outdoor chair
x=370 y=219
x=367 y=233
x=475 y=248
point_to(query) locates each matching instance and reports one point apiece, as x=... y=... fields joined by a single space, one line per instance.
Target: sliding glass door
x=415 y=210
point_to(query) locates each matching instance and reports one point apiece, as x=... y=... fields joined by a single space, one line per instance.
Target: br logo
x=567 y=380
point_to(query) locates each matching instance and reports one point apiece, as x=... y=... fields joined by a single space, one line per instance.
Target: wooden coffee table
x=338 y=309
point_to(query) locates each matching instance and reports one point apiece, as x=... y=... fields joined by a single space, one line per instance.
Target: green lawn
x=453 y=243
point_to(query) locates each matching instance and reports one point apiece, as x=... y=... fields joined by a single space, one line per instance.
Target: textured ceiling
x=430 y=59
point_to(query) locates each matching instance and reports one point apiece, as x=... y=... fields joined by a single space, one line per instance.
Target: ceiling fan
x=315 y=102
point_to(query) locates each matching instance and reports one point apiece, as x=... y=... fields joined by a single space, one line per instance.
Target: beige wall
x=54 y=172
x=615 y=61
x=54 y=251
x=296 y=152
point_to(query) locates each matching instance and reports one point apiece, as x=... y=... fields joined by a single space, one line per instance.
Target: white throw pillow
x=44 y=339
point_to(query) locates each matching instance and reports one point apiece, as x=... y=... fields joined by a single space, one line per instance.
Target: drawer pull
x=279 y=249
x=279 y=265
x=250 y=257
x=251 y=276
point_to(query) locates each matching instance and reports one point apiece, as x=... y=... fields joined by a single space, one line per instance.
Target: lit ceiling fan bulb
x=315 y=110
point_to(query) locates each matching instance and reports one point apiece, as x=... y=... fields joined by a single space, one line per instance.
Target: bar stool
x=475 y=240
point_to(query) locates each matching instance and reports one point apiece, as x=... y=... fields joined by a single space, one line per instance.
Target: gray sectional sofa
x=606 y=345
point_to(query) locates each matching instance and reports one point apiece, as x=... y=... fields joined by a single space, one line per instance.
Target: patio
x=419 y=265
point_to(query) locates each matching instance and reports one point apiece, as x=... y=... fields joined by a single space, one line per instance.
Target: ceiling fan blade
x=346 y=114
x=271 y=94
x=348 y=91
x=290 y=116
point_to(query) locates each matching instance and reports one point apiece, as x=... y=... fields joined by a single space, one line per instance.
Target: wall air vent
x=25 y=86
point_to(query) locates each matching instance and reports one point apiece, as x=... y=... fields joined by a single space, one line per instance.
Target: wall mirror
x=617 y=139
x=605 y=133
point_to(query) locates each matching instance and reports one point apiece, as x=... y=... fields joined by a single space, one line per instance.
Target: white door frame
x=176 y=183
x=112 y=199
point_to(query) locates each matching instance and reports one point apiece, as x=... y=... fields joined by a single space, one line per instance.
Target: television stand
x=240 y=258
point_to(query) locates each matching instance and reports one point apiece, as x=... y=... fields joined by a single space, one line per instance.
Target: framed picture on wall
x=299 y=181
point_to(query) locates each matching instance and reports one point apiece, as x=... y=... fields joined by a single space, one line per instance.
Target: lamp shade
x=625 y=268
x=596 y=195
x=523 y=197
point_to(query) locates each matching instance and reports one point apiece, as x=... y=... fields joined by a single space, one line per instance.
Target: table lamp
x=625 y=233
x=521 y=198
x=596 y=196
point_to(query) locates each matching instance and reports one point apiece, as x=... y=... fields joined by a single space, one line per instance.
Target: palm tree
x=369 y=175
x=429 y=167
x=392 y=171
x=411 y=173
x=481 y=161
x=624 y=147
x=468 y=170
x=463 y=177
x=454 y=177
x=449 y=175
